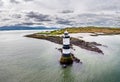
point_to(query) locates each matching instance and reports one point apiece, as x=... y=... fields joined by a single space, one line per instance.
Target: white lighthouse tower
x=66 y=51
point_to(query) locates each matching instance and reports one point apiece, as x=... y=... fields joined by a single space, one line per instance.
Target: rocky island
x=55 y=36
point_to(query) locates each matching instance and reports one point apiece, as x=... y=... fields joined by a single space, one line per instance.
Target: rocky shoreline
x=91 y=46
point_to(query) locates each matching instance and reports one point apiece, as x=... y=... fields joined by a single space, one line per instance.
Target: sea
x=24 y=59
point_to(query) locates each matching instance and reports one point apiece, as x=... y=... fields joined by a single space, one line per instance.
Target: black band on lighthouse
x=66 y=47
x=66 y=36
x=66 y=55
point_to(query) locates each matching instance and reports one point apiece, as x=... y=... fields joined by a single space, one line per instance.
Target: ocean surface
x=25 y=59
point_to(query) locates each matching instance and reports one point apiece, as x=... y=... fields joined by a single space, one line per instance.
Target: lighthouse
x=66 y=58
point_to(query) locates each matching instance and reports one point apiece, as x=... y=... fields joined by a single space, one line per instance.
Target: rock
x=64 y=66
x=91 y=46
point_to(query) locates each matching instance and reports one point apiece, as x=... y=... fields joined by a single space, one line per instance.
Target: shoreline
x=90 y=46
x=55 y=36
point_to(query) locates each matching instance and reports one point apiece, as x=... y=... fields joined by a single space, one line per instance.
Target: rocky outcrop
x=91 y=46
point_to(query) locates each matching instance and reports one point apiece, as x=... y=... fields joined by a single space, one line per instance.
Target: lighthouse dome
x=66 y=32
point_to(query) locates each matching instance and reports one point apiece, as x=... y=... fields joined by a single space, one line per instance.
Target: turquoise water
x=25 y=59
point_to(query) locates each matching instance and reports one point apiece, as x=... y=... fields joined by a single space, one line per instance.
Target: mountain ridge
x=24 y=28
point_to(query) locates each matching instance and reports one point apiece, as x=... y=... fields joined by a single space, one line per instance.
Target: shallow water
x=25 y=59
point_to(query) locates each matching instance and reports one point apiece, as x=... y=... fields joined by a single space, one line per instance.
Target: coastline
x=91 y=46
x=55 y=36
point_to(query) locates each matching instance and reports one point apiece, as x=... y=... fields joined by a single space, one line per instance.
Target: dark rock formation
x=91 y=46
x=75 y=59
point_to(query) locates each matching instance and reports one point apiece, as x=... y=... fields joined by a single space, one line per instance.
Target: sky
x=60 y=13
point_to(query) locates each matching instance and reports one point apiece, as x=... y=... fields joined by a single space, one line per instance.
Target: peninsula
x=55 y=36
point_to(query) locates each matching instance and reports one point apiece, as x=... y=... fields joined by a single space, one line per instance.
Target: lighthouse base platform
x=66 y=60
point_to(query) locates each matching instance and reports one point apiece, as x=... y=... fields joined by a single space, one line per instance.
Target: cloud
x=63 y=21
x=6 y=19
x=60 y=12
x=28 y=0
x=38 y=17
x=14 y=1
x=67 y=11
x=1 y=3
x=31 y=23
x=17 y=16
x=103 y=5
x=98 y=20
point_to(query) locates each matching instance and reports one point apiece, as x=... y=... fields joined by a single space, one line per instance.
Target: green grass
x=90 y=29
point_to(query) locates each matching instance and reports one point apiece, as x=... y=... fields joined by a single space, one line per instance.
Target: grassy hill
x=105 y=30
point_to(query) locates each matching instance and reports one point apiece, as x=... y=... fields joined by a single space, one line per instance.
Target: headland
x=55 y=36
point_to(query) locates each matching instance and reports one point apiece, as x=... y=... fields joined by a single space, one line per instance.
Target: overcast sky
x=60 y=13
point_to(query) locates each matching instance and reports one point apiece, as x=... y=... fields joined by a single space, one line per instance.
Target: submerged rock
x=64 y=66
x=75 y=59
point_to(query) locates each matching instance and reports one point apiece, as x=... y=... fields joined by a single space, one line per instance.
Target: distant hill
x=24 y=28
